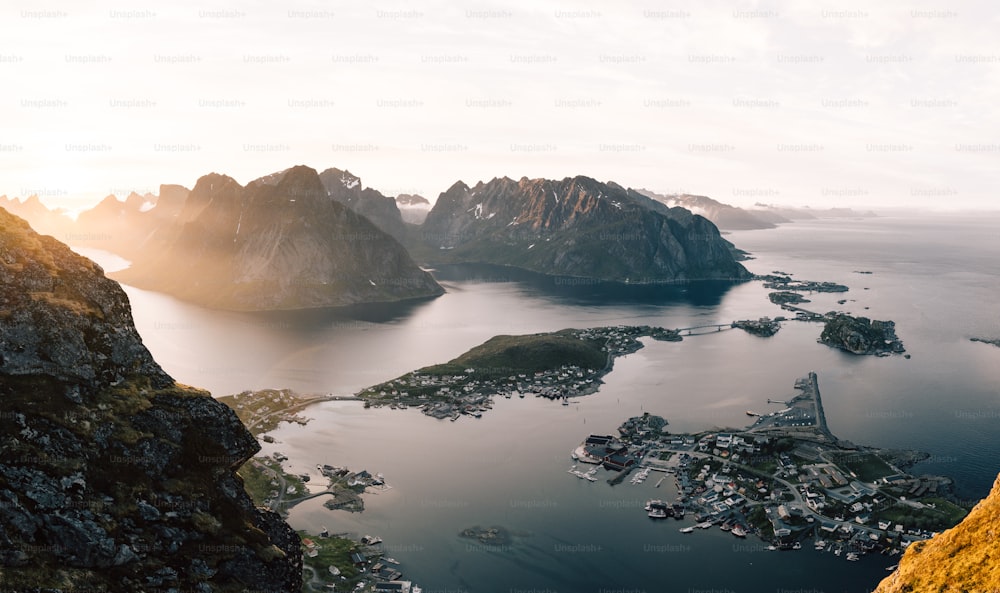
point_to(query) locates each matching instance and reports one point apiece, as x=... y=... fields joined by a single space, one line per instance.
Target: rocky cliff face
x=112 y=477
x=279 y=243
x=964 y=558
x=382 y=211
x=576 y=227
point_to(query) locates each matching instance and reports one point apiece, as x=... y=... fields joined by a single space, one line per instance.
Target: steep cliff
x=279 y=243
x=576 y=227
x=382 y=211
x=113 y=477
x=963 y=558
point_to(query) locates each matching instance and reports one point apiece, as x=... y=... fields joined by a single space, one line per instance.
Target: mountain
x=49 y=222
x=413 y=208
x=346 y=188
x=281 y=242
x=113 y=225
x=963 y=558
x=576 y=227
x=726 y=217
x=415 y=200
x=112 y=476
x=807 y=213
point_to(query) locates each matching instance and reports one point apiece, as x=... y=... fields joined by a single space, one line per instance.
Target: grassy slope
x=506 y=355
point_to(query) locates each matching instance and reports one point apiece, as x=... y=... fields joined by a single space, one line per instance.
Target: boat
x=738 y=531
x=725 y=526
x=657 y=513
x=657 y=509
x=797 y=546
x=704 y=525
x=687 y=530
x=390 y=560
x=750 y=413
x=853 y=556
x=371 y=540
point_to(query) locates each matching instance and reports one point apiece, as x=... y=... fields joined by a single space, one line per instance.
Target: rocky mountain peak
x=285 y=241
x=576 y=226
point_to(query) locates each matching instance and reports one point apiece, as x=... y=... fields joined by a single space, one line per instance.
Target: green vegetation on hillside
x=505 y=355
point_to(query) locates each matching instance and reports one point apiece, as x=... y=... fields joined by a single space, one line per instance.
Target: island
x=785 y=478
x=782 y=297
x=556 y=365
x=860 y=335
x=994 y=342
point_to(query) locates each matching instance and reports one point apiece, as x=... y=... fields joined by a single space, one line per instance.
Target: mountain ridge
x=575 y=227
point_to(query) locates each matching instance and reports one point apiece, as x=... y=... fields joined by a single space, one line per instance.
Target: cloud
x=704 y=96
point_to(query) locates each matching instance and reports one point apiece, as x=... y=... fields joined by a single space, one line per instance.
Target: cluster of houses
x=377 y=574
x=736 y=448
x=606 y=451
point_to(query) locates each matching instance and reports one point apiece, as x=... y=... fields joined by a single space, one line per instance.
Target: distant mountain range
x=281 y=242
x=761 y=216
x=302 y=239
x=414 y=208
x=575 y=227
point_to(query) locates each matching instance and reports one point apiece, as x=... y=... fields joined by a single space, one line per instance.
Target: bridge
x=704 y=329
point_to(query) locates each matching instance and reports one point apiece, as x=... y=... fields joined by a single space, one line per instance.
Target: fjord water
x=934 y=275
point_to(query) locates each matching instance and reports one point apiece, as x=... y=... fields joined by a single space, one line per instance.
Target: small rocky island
x=994 y=342
x=782 y=281
x=860 y=335
x=782 y=297
x=494 y=536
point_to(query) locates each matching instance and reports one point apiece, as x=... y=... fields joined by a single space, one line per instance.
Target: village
x=784 y=479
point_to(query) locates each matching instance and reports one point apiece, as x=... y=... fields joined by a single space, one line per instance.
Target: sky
x=859 y=104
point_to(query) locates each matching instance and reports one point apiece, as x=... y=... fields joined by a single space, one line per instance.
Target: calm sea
x=936 y=276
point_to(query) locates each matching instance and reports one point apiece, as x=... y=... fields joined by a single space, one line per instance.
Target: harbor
x=785 y=479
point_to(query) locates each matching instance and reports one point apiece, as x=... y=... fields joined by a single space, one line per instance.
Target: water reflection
x=586 y=291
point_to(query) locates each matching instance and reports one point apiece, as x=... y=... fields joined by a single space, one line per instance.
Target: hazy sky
x=829 y=104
